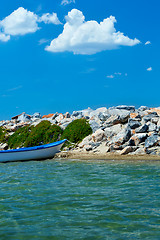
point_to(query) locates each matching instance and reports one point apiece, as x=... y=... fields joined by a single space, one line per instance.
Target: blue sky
x=46 y=69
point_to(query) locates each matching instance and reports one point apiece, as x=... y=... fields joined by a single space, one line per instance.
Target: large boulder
x=148 y=117
x=86 y=141
x=3 y=146
x=143 y=108
x=102 y=148
x=140 y=151
x=77 y=114
x=109 y=132
x=119 y=112
x=2 y=123
x=122 y=137
x=158 y=125
x=153 y=150
x=95 y=113
x=94 y=125
x=127 y=150
x=137 y=138
x=134 y=115
x=157 y=110
x=142 y=129
x=82 y=113
x=59 y=118
x=124 y=116
x=24 y=118
x=65 y=122
x=98 y=135
x=151 y=140
x=124 y=107
x=133 y=123
x=67 y=115
x=112 y=120
x=36 y=116
x=152 y=127
x=103 y=116
x=155 y=120
x=50 y=116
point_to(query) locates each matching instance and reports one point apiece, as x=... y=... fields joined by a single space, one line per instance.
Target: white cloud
x=149 y=69
x=147 y=43
x=81 y=37
x=49 y=18
x=42 y=41
x=89 y=70
x=118 y=73
x=110 y=76
x=20 y=22
x=4 y=38
x=14 y=89
x=65 y=2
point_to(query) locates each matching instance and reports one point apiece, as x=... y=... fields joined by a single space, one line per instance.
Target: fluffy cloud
x=43 y=41
x=110 y=76
x=4 y=38
x=117 y=74
x=22 y=21
x=147 y=43
x=149 y=69
x=65 y=2
x=81 y=37
x=49 y=18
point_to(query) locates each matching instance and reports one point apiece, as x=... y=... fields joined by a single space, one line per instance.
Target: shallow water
x=71 y=199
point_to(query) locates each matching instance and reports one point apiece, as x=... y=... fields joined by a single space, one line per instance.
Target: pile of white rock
x=121 y=130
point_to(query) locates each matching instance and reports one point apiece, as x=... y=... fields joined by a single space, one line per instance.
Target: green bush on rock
x=30 y=136
x=43 y=133
x=2 y=135
x=19 y=137
x=77 y=130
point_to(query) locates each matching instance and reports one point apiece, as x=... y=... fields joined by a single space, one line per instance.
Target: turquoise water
x=57 y=199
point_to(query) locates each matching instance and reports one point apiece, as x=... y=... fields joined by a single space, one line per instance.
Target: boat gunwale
x=45 y=146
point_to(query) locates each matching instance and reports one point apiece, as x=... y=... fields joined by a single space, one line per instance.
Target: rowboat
x=31 y=153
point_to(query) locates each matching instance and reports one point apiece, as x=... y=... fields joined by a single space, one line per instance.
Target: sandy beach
x=107 y=156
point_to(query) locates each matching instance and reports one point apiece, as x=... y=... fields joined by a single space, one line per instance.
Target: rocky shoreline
x=117 y=131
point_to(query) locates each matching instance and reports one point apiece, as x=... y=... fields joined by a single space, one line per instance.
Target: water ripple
x=59 y=200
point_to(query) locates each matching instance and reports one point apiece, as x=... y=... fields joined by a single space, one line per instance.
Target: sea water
x=71 y=199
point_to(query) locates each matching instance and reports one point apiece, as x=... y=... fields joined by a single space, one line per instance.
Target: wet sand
x=106 y=156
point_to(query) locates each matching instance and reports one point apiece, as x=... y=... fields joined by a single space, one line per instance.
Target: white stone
x=98 y=135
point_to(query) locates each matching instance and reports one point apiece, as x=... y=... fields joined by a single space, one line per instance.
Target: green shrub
x=2 y=135
x=77 y=130
x=19 y=137
x=30 y=136
x=43 y=133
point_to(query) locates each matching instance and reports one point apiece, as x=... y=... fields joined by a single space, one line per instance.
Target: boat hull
x=34 y=153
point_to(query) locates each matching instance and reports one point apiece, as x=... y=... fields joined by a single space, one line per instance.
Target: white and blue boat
x=31 y=153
